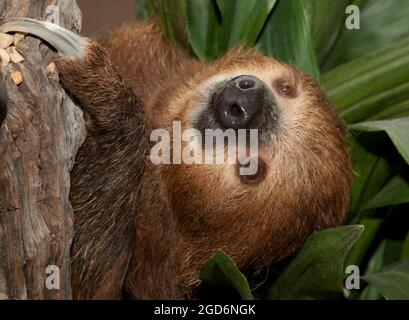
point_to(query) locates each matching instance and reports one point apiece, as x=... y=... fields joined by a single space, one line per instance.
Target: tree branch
x=39 y=139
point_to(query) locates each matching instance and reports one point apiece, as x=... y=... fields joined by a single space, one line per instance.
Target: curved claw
x=63 y=40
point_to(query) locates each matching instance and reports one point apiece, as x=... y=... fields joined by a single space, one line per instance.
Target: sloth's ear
x=3 y=100
x=64 y=41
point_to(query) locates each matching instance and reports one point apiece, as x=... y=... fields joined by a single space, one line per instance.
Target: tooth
x=63 y=40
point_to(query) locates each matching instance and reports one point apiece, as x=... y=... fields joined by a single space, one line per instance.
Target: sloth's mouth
x=256 y=177
x=254 y=168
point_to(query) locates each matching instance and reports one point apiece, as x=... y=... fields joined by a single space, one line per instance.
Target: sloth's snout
x=239 y=102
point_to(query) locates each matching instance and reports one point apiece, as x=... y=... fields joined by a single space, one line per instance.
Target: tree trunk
x=39 y=139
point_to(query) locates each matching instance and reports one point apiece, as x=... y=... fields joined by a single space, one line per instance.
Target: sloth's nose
x=239 y=102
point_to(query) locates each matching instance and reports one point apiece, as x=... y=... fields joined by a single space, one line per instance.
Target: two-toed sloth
x=148 y=228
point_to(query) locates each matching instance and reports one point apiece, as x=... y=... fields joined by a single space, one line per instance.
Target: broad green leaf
x=369 y=293
x=220 y=270
x=371 y=84
x=398 y=110
x=359 y=3
x=222 y=4
x=287 y=36
x=326 y=19
x=392 y=282
x=319 y=266
x=371 y=172
x=405 y=248
x=397 y=130
x=203 y=28
x=242 y=21
x=382 y=23
x=360 y=248
x=172 y=17
x=395 y=192
x=386 y=254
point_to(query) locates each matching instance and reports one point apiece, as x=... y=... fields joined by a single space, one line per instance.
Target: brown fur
x=184 y=213
x=106 y=176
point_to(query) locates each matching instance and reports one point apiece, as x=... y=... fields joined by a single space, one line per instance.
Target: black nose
x=239 y=102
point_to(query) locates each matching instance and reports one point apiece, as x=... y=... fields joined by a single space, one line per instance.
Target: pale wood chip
x=16 y=77
x=15 y=56
x=4 y=57
x=18 y=37
x=5 y=40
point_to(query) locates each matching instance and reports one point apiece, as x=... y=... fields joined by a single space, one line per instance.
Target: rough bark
x=39 y=139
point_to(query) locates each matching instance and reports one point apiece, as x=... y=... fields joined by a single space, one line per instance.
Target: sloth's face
x=303 y=177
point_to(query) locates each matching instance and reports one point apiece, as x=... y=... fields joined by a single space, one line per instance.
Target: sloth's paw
x=92 y=80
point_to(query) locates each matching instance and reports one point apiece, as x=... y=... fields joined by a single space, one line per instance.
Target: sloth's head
x=303 y=178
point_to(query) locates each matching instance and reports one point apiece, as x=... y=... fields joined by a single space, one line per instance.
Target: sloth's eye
x=285 y=88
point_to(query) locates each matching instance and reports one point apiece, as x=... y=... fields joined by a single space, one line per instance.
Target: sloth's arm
x=106 y=177
x=108 y=101
x=109 y=165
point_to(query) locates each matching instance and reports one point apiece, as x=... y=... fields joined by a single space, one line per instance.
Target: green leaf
x=392 y=282
x=405 y=248
x=203 y=28
x=319 y=266
x=386 y=254
x=382 y=23
x=242 y=21
x=398 y=110
x=359 y=3
x=222 y=4
x=395 y=192
x=220 y=270
x=172 y=17
x=326 y=18
x=287 y=36
x=397 y=130
x=371 y=172
x=360 y=248
x=371 y=84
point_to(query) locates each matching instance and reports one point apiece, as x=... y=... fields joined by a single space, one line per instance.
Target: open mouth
x=257 y=175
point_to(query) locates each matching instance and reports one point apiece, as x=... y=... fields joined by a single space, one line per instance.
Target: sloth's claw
x=64 y=41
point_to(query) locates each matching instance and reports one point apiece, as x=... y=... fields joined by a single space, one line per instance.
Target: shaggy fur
x=105 y=179
x=183 y=213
